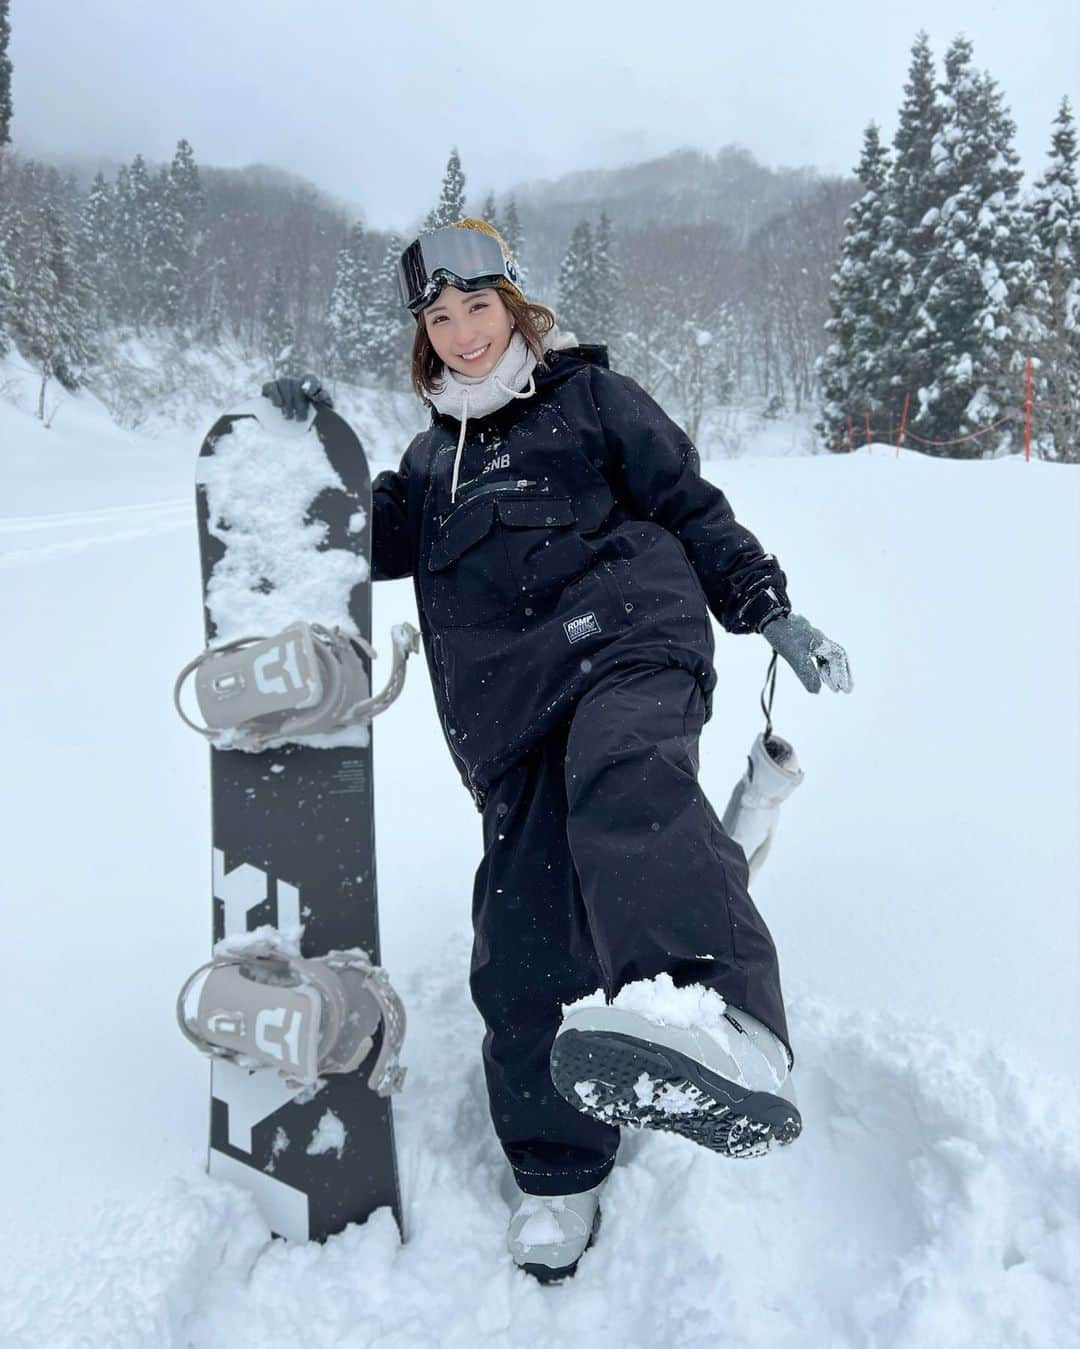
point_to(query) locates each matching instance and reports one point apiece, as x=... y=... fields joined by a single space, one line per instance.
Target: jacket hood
x=559 y=365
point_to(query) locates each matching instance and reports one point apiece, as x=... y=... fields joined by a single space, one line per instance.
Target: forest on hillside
x=930 y=297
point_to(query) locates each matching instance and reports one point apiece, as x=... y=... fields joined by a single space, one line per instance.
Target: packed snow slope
x=922 y=890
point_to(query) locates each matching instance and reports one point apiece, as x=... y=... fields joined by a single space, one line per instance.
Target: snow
x=541 y=1227
x=258 y=487
x=662 y=1002
x=921 y=889
x=997 y=292
x=982 y=408
x=330 y=1136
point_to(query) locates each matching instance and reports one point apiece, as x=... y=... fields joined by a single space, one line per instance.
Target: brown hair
x=533 y=321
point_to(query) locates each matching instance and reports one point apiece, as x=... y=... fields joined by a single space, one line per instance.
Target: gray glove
x=811 y=654
x=292 y=396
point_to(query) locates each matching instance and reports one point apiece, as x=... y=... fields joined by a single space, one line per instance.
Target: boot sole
x=619 y=1079
x=545 y=1273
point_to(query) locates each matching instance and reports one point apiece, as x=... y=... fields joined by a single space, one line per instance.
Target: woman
x=565 y=553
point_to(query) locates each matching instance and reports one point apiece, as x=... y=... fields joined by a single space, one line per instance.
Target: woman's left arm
x=658 y=476
x=657 y=473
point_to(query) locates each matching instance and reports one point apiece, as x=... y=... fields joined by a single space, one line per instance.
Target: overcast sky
x=366 y=97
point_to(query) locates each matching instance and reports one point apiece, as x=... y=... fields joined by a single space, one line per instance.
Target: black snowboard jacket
x=582 y=537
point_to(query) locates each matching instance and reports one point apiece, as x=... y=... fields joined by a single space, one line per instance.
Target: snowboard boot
x=728 y=1089
x=772 y=774
x=549 y=1233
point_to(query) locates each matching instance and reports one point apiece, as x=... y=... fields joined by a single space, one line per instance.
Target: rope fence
x=1012 y=415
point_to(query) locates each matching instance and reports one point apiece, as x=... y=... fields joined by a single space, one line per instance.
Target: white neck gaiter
x=486 y=393
x=465 y=396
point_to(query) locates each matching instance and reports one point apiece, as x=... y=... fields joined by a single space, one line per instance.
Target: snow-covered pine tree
x=10 y=232
x=389 y=327
x=854 y=371
x=52 y=319
x=5 y=74
x=451 y=205
x=514 y=237
x=133 y=212
x=607 y=287
x=95 y=251
x=913 y=199
x=166 y=253
x=341 y=334
x=577 y=284
x=1053 y=222
x=8 y=237
x=278 y=333
x=190 y=197
x=490 y=212
x=351 y=318
x=963 y=343
x=190 y=201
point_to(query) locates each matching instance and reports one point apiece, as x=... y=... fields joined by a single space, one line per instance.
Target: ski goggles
x=465 y=258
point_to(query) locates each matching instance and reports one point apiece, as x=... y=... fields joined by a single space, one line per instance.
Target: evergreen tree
x=189 y=201
x=918 y=127
x=166 y=253
x=52 y=316
x=854 y=371
x=913 y=200
x=607 y=285
x=341 y=335
x=577 y=284
x=95 y=251
x=133 y=218
x=451 y=205
x=189 y=194
x=962 y=346
x=514 y=237
x=1053 y=218
x=389 y=327
x=5 y=74
x=490 y=212
x=354 y=315
x=279 y=335
x=10 y=235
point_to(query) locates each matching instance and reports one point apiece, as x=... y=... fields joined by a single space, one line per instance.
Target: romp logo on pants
x=585 y=625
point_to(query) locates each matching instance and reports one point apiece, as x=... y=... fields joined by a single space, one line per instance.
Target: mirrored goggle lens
x=462 y=255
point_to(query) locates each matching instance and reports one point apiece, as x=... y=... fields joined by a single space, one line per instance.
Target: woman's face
x=462 y=322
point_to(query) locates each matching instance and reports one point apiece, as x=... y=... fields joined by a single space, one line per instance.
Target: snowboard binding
x=305 y=680
x=266 y=1007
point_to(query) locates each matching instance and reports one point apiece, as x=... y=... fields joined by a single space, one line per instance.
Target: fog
x=367 y=99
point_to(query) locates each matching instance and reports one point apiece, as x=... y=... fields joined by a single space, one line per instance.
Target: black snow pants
x=603 y=864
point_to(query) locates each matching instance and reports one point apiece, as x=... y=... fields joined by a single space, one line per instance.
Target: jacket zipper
x=522 y=485
x=477 y=795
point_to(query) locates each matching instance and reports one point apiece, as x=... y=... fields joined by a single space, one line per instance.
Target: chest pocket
x=492 y=556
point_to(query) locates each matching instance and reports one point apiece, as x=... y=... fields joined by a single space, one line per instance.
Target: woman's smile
x=455 y=311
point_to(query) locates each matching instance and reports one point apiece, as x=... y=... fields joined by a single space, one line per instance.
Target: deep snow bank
x=930 y=1201
x=927 y=866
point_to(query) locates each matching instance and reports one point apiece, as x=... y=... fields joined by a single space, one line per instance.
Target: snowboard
x=284 y=518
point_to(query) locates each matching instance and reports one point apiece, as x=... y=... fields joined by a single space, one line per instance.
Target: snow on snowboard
x=302 y=1025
